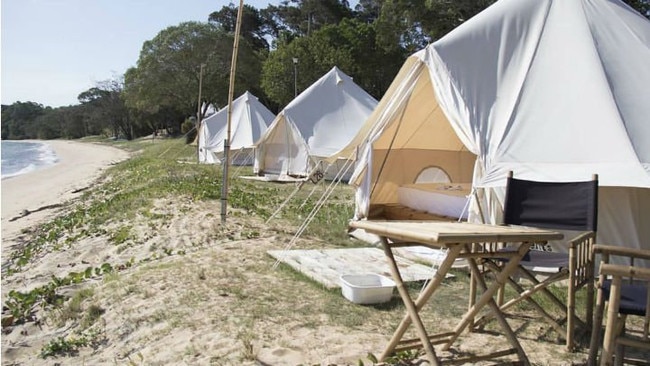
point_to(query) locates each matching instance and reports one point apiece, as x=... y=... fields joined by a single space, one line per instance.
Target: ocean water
x=24 y=157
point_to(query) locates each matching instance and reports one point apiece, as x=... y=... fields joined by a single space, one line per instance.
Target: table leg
x=472 y=288
x=488 y=299
x=414 y=308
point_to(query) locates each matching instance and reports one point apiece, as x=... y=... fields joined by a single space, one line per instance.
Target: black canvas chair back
x=569 y=206
x=552 y=205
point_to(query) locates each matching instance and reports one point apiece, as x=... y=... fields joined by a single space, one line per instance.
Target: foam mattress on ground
x=445 y=199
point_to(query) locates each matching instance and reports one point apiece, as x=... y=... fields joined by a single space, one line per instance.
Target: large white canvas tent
x=249 y=120
x=315 y=125
x=554 y=90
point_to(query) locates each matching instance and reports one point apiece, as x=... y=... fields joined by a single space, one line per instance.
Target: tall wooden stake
x=226 y=147
x=198 y=113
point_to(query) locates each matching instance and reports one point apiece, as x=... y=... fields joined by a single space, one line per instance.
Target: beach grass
x=160 y=170
x=169 y=264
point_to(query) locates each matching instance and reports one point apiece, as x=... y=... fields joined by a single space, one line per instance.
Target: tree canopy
x=369 y=43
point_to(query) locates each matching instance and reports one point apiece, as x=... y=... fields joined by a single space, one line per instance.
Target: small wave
x=25 y=170
x=46 y=156
x=25 y=157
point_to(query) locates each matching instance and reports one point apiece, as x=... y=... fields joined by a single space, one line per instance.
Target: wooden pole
x=198 y=112
x=233 y=68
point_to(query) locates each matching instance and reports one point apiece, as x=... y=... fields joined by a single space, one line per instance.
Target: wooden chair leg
x=619 y=354
x=589 y=317
x=610 y=327
x=594 y=344
x=571 y=320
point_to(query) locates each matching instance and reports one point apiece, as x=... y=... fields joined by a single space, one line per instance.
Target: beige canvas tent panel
x=419 y=136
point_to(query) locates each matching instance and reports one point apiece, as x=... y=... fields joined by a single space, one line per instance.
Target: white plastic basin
x=367 y=288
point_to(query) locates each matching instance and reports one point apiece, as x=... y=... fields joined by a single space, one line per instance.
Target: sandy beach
x=79 y=165
x=199 y=292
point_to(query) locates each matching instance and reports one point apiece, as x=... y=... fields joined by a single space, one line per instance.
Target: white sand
x=79 y=165
x=220 y=303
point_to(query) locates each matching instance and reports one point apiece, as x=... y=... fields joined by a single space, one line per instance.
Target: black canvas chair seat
x=538 y=258
x=633 y=298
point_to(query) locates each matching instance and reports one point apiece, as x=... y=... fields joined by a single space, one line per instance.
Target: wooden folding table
x=458 y=238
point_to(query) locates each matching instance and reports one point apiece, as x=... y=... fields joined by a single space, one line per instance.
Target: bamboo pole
x=233 y=68
x=198 y=112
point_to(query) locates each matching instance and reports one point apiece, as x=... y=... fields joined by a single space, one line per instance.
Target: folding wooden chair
x=626 y=289
x=559 y=206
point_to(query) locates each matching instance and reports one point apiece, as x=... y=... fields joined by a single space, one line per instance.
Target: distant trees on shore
x=282 y=49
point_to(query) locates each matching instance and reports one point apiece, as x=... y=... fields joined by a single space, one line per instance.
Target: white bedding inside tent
x=444 y=199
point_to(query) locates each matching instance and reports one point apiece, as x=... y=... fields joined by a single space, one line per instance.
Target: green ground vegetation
x=165 y=169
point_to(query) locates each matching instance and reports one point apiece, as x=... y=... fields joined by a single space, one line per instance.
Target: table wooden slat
x=437 y=233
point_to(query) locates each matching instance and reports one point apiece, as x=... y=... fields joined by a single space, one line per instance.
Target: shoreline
x=79 y=165
x=51 y=158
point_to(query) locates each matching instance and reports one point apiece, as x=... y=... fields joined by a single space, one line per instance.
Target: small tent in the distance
x=316 y=124
x=249 y=120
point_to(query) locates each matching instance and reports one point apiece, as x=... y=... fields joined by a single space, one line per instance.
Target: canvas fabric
x=554 y=90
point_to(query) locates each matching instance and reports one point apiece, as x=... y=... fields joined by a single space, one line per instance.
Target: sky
x=52 y=50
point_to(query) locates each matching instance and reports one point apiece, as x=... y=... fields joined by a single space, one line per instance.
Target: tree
x=373 y=67
x=302 y=17
x=368 y=11
x=413 y=24
x=168 y=70
x=74 y=122
x=105 y=107
x=48 y=125
x=642 y=6
x=443 y=15
x=18 y=119
x=255 y=29
x=350 y=45
x=315 y=55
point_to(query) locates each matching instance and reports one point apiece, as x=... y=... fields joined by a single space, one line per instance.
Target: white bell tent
x=552 y=90
x=315 y=125
x=249 y=120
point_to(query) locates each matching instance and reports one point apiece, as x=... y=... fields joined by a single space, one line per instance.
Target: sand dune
x=210 y=299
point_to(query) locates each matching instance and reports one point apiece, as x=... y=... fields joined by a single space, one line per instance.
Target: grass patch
x=235 y=295
x=159 y=171
x=72 y=309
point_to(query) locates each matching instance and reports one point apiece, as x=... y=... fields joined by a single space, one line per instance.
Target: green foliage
x=169 y=69
x=69 y=346
x=22 y=304
x=72 y=308
x=60 y=346
x=369 y=43
x=254 y=27
x=188 y=130
x=307 y=16
x=105 y=109
x=403 y=357
x=93 y=313
x=19 y=118
x=121 y=235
